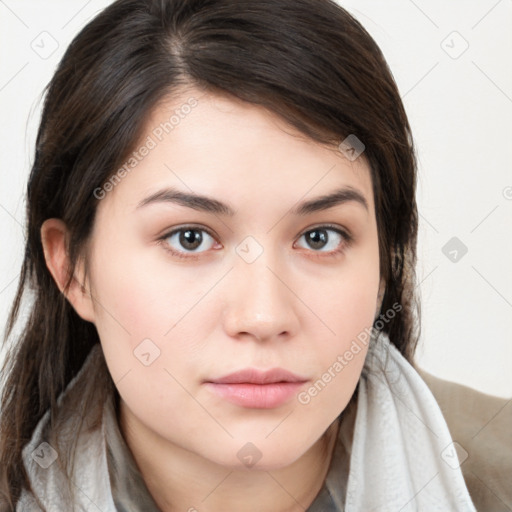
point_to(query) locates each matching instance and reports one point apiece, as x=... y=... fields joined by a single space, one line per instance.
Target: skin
x=293 y=307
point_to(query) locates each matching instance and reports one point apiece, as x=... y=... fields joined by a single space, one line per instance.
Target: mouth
x=255 y=389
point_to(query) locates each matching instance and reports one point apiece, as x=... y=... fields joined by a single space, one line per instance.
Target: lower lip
x=257 y=396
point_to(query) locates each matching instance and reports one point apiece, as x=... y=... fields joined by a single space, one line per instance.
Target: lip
x=255 y=376
x=256 y=389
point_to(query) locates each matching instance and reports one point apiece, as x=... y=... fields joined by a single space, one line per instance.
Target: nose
x=261 y=303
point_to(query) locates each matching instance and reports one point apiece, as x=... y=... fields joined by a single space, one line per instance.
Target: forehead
x=223 y=147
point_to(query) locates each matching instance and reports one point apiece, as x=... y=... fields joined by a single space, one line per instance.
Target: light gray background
x=452 y=64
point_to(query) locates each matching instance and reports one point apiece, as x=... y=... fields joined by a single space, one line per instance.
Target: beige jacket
x=482 y=425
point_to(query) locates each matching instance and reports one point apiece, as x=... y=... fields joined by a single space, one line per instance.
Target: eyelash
x=345 y=244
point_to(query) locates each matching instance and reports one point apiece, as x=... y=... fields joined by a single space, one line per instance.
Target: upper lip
x=255 y=376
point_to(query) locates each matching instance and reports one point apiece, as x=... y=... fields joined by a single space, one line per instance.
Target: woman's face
x=254 y=280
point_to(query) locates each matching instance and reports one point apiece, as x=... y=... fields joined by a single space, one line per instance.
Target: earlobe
x=54 y=235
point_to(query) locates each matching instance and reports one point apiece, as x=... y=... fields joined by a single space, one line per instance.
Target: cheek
x=346 y=301
x=149 y=313
x=145 y=332
x=346 y=306
x=329 y=393
x=340 y=355
x=138 y=295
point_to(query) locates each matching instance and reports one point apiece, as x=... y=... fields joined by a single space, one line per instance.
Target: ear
x=54 y=236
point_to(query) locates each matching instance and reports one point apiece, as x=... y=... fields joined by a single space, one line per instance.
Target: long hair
x=308 y=61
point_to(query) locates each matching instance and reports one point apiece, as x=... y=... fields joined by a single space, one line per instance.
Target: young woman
x=221 y=246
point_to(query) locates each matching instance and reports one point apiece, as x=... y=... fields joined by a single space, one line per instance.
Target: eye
x=334 y=243
x=187 y=239
x=185 y=242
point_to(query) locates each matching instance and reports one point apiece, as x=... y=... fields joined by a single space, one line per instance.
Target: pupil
x=318 y=237
x=191 y=237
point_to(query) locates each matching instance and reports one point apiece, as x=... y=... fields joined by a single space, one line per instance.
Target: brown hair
x=308 y=61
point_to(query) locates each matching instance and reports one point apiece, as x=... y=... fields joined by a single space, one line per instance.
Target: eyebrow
x=208 y=204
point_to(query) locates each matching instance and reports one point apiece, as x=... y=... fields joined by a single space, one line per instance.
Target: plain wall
x=451 y=62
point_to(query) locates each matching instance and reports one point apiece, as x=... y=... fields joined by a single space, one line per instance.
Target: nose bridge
x=260 y=303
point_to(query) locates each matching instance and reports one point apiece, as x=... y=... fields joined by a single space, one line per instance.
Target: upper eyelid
x=212 y=234
x=172 y=231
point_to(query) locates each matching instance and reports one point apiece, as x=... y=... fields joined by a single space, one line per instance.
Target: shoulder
x=481 y=427
x=65 y=459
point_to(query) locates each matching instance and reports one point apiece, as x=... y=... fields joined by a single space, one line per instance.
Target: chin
x=262 y=455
